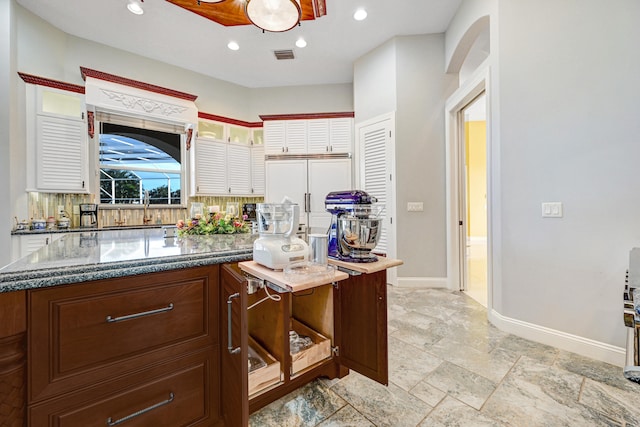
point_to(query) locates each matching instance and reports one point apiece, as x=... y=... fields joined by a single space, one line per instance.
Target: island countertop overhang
x=81 y=257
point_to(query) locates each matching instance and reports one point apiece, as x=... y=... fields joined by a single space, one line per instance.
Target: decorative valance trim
x=87 y=72
x=43 y=81
x=223 y=119
x=307 y=116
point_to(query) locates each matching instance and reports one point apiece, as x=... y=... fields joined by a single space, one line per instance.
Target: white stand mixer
x=278 y=245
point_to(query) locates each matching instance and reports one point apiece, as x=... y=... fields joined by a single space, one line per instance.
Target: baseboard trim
x=422 y=282
x=562 y=340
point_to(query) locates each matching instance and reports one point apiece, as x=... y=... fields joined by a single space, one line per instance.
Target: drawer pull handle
x=111 y=423
x=141 y=314
x=229 y=325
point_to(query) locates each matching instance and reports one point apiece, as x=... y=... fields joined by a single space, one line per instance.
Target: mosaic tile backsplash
x=45 y=205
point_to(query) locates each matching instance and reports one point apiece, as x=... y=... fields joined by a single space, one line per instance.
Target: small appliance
x=249 y=209
x=88 y=215
x=355 y=227
x=278 y=245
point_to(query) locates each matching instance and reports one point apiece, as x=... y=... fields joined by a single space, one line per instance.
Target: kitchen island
x=104 y=327
x=100 y=325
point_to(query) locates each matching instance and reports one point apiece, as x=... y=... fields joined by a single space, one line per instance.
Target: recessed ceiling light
x=301 y=42
x=233 y=46
x=135 y=7
x=360 y=14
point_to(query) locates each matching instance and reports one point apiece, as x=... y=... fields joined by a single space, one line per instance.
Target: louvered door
x=239 y=169
x=210 y=165
x=62 y=155
x=257 y=170
x=375 y=174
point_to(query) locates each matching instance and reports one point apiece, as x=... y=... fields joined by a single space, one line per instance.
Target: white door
x=376 y=175
x=286 y=178
x=325 y=176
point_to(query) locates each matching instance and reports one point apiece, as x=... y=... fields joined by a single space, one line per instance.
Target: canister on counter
x=318 y=248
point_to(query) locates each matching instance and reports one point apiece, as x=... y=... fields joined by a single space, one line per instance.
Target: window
x=137 y=162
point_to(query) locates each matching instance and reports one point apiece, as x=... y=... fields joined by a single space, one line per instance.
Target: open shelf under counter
x=278 y=278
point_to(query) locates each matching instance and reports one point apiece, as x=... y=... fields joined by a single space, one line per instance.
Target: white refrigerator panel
x=286 y=178
x=325 y=176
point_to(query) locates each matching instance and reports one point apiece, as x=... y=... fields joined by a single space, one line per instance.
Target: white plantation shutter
x=375 y=140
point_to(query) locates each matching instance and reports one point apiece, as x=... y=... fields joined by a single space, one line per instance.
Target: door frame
x=473 y=87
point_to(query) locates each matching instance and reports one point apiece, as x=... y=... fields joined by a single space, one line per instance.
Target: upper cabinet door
x=318 y=136
x=61 y=159
x=296 y=137
x=211 y=130
x=257 y=170
x=210 y=167
x=341 y=135
x=239 y=135
x=239 y=169
x=59 y=103
x=274 y=137
x=360 y=305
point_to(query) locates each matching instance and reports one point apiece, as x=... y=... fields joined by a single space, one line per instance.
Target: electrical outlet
x=552 y=209
x=60 y=210
x=415 y=206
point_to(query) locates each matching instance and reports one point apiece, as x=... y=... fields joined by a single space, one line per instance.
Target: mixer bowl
x=358 y=236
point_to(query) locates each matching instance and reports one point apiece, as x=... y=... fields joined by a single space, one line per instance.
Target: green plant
x=215 y=224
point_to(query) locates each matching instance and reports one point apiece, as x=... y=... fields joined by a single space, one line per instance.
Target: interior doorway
x=472 y=195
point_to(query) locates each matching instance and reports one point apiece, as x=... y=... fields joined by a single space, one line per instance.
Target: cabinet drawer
x=184 y=394
x=94 y=330
x=83 y=333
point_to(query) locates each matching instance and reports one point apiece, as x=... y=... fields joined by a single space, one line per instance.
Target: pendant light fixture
x=274 y=15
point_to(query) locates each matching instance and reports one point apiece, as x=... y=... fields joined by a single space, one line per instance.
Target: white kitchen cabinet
x=209 y=164
x=57 y=146
x=224 y=132
x=238 y=170
x=285 y=137
x=307 y=183
x=226 y=161
x=341 y=135
x=330 y=136
x=222 y=169
x=257 y=170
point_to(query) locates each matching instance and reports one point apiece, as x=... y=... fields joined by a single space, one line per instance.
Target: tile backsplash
x=44 y=205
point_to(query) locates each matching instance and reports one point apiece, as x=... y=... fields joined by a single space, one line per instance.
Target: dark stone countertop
x=93 y=255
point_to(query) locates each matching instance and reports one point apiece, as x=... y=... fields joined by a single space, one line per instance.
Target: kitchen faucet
x=146 y=219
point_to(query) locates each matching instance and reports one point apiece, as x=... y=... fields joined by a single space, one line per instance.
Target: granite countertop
x=94 y=255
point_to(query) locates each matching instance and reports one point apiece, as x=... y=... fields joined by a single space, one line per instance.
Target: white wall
x=569 y=132
x=374 y=82
x=422 y=88
x=301 y=99
x=46 y=51
x=405 y=75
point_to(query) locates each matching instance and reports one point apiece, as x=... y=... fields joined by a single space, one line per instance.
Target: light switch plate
x=415 y=206
x=552 y=209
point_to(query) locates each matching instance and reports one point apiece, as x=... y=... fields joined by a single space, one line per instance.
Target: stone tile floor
x=448 y=366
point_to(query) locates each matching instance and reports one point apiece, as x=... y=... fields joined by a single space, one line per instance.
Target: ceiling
x=174 y=35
